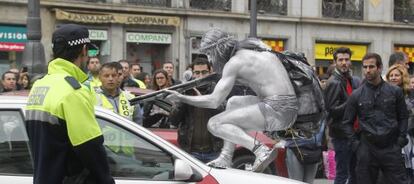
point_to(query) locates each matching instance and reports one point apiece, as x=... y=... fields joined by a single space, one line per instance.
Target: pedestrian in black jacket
x=382 y=113
x=193 y=135
x=339 y=86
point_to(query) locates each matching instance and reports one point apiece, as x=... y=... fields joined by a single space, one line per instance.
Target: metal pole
x=34 y=53
x=253 y=19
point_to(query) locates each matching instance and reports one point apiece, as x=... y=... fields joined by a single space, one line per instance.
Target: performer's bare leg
x=231 y=125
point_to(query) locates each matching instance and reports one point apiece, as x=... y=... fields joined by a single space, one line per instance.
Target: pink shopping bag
x=329 y=164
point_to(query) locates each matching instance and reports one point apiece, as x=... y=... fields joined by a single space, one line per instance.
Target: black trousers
x=372 y=159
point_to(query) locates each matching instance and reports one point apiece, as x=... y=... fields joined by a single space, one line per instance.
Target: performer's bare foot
x=264 y=156
x=223 y=161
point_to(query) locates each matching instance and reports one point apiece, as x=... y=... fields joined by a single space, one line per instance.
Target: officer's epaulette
x=73 y=82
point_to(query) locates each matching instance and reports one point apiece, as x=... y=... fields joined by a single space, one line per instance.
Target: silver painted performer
x=274 y=108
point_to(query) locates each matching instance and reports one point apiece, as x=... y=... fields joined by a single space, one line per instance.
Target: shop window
x=223 y=5
x=160 y=3
x=404 y=11
x=276 y=45
x=409 y=51
x=346 y=9
x=278 y=7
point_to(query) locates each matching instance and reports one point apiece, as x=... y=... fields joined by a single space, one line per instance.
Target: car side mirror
x=184 y=172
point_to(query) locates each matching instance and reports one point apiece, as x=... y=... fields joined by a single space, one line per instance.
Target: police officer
x=383 y=115
x=66 y=140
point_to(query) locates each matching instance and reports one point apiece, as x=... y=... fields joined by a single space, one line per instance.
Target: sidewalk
x=323 y=181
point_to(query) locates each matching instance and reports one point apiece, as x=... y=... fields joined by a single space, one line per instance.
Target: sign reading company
x=12 y=38
x=98 y=34
x=148 y=38
x=325 y=50
x=105 y=18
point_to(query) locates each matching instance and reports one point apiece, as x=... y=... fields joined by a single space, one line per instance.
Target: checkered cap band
x=79 y=41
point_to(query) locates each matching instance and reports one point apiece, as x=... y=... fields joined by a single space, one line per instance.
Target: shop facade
x=324 y=56
x=12 y=42
x=145 y=39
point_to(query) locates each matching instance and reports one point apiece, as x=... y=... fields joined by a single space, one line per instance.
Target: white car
x=141 y=156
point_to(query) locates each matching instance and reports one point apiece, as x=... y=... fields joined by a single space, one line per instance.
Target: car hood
x=224 y=176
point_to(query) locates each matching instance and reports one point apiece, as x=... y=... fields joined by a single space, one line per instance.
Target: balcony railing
x=157 y=3
x=404 y=11
x=221 y=5
x=347 y=9
x=278 y=7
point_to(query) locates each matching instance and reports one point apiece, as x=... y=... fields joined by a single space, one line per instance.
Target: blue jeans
x=205 y=156
x=343 y=155
x=299 y=171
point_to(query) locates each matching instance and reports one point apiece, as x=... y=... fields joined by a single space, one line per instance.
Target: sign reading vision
x=12 y=38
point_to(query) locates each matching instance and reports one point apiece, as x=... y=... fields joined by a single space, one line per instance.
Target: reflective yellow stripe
x=124 y=108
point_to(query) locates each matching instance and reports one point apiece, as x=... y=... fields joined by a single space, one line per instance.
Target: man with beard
x=382 y=113
x=339 y=86
x=274 y=108
x=192 y=121
x=93 y=81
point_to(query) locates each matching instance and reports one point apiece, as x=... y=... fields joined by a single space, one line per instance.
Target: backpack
x=306 y=86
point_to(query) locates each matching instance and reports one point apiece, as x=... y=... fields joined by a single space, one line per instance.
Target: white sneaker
x=264 y=156
x=221 y=162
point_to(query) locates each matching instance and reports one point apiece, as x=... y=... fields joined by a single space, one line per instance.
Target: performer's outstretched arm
x=222 y=89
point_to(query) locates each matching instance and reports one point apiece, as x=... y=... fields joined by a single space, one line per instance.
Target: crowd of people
x=368 y=122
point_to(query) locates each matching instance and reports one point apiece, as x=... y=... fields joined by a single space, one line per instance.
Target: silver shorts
x=279 y=111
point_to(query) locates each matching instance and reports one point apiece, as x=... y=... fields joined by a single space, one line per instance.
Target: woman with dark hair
x=154 y=115
x=24 y=81
x=160 y=80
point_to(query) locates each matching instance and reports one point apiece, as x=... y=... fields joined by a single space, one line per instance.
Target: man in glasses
x=193 y=135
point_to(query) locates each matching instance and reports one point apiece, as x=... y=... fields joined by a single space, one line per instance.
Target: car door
x=135 y=159
x=15 y=160
x=132 y=158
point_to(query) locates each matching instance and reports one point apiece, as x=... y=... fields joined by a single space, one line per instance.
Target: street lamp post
x=34 y=53
x=253 y=19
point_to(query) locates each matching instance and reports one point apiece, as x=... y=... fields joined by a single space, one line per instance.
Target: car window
x=14 y=146
x=131 y=156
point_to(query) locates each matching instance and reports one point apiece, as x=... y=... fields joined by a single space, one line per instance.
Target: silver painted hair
x=218 y=46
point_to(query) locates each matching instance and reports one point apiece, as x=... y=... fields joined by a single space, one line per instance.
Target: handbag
x=308 y=154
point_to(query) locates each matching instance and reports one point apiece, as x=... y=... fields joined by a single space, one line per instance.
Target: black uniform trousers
x=371 y=159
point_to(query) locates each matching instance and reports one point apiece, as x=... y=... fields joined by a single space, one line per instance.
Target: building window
x=404 y=11
x=276 y=45
x=278 y=7
x=409 y=51
x=346 y=9
x=223 y=5
x=159 y=3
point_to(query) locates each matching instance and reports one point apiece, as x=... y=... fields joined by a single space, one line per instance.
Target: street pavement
x=323 y=181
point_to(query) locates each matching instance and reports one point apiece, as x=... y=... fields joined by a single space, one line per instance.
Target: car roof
x=12 y=99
